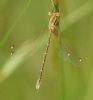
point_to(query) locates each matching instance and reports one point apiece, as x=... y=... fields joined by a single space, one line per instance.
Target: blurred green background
x=68 y=73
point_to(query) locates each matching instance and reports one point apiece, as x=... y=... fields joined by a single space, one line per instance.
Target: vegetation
x=23 y=37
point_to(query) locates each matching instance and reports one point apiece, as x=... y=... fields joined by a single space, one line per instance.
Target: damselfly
x=53 y=27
